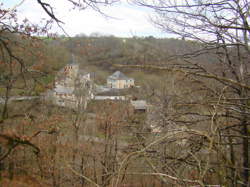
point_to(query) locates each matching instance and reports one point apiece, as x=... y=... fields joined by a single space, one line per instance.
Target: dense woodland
x=197 y=89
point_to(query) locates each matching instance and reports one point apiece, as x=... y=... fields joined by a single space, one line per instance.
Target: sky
x=124 y=19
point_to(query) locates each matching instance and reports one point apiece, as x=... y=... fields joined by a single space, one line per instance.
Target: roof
x=118 y=76
x=139 y=104
x=101 y=89
x=111 y=92
x=64 y=89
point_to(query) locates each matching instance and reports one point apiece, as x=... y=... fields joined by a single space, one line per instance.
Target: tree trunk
x=245 y=155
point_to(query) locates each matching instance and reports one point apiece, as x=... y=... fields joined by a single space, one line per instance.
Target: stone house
x=119 y=81
x=73 y=87
x=139 y=105
x=64 y=96
x=67 y=75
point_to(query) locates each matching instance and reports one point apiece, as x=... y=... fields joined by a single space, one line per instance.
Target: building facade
x=73 y=87
x=119 y=81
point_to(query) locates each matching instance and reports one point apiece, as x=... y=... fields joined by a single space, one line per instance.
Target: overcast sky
x=127 y=20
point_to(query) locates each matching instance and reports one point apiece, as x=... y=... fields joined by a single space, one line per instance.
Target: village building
x=119 y=81
x=73 y=87
x=64 y=96
x=68 y=74
x=112 y=94
x=139 y=105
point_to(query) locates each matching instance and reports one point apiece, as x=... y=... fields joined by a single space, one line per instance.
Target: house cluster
x=74 y=88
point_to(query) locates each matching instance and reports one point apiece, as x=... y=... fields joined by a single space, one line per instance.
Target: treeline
x=105 y=51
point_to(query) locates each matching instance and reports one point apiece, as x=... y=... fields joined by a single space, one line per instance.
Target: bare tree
x=17 y=67
x=213 y=111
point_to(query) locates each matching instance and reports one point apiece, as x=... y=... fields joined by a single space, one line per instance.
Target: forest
x=195 y=131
